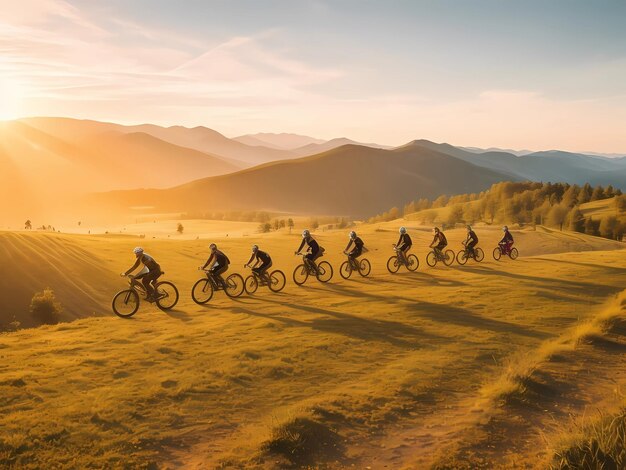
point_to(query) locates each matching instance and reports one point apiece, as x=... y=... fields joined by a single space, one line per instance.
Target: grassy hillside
x=403 y=371
x=350 y=180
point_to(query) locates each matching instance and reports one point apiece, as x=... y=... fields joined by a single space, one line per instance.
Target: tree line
x=552 y=204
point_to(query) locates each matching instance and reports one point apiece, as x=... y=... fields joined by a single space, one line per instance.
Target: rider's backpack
x=322 y=250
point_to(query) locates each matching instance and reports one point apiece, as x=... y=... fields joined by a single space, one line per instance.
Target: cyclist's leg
x=262 y=270
x=405 y=254
x=146 y=280
x=310 y=259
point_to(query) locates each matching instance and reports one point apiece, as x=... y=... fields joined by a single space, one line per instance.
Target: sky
x=511 y=74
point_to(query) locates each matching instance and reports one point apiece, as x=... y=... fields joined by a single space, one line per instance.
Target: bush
x=45 y=308
x=180 y=228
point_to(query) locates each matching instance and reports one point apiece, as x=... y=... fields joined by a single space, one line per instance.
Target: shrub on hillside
x=45 y=308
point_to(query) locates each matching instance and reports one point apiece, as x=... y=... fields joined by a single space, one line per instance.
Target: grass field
x=475 y=366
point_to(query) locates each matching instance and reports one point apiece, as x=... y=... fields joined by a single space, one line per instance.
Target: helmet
x=352 y=234
x=212 y=247
x=402 y=229
x=505 y=229
x=255 y=247
x=469 y=227
x=305 y=233
x=138 y=250
x=436 y=229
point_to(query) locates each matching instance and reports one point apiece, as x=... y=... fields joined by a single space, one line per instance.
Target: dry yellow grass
x=388 y=369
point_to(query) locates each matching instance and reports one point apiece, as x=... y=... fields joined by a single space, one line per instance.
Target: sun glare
x=11 y=97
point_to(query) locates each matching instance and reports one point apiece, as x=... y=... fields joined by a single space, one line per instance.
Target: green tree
x=576 y=220
x=557 y=215
x=265 y=228
x=608 y=227
x=45 y=308
x=455 y=215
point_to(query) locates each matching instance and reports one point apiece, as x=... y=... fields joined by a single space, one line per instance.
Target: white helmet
x=505 y=229
x=305 y=233
x=138 y=250
x=255 y=247
x=402 y=230
x=352 y=234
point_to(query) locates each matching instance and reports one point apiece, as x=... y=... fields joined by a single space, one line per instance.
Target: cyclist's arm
x=301 y=245
x=251 y=258
x=348 y=247
x=208 y=261
x=135 y=266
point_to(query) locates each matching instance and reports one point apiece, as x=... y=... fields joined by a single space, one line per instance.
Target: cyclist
x=471 y=241
x=404 y=244
x=439 y=242
x=259 y=257
x=149 y=274
x=507 y=240
x=314 y=249
x=358 y=247
x=219 y=263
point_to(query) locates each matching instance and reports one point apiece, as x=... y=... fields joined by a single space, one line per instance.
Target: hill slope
x=351 y=180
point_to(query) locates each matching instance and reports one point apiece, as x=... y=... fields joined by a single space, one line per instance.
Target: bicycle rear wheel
x=125 y=303
x=513 y=253
x=277 y=281
x=461 y=257
x=431 y=259
x=300 y=274
x=324 y=271
x=202 y=291
x=167 y=295
x=448 y=257
x=365 y=267
x=479 y=254
x=234 y=285
x=345 y=270
x=251 y=284
x=497 y=254
x=393 y=265
x=412 y=263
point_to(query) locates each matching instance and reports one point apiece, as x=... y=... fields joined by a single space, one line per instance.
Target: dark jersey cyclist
x=149 y=274
x=404 y=243
x=358 y=246
x=313 y=247
x=507 y=240
x=472 y=239
x=439 y=241
x=218 y=261
x=261 y=257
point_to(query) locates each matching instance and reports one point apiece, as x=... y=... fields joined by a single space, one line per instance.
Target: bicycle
x=435 y=256
x=362 y=266
x=126 y=303
x=202 y=291
x=505 y=250
x=275 y=280
x=322 y=271
x=477 y=254
x=400 y=259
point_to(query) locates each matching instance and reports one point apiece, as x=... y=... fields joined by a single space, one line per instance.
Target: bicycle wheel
x=479 y=254
x=251 y=284
x=125 y=303
x=277 y=281
x=234 y=285
x=202 y=291
x=448 y=257
x=431 y=259
x=412 y=263
x=300 y=274
x=461 y=257
x=324 y=271
x=393 y=265
x=345 y=270
x=497 y=253
x=167 y=295
x=514 y=253
x=365 y=267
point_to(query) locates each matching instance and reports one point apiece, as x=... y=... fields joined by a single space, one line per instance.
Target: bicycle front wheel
x=251 y=285
x=393 y=264
x=345 y=270
x=497 y=254
x=448 y=257
x=461 y=257
x=277 y=281
x=431 y=259
x=412 y=263
x=167 y=295
x=202 y=291
x=300 y=274
x=365 y=267
x=234 y=285
x=324 y=271
x=125 y=303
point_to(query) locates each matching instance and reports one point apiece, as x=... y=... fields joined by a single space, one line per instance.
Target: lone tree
x=265 y=228
x=28 y=225
x=180 y=229
x=45 y=308
x=290 y=224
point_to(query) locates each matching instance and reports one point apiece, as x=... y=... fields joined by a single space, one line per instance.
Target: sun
x=11 y=99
